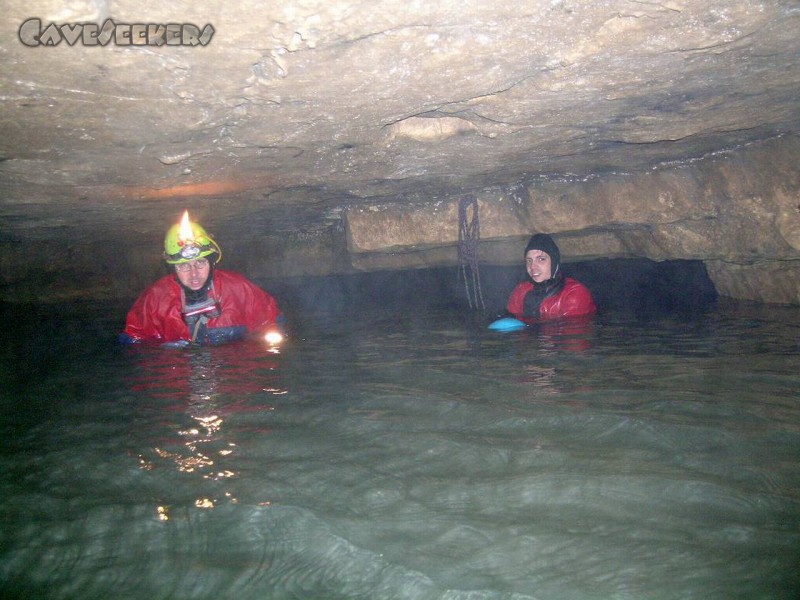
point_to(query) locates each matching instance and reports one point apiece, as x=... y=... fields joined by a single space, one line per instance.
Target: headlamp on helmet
x=187 y=241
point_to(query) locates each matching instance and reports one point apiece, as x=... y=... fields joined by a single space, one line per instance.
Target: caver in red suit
x=242 y=308
x=548 y=294
x=197 y=302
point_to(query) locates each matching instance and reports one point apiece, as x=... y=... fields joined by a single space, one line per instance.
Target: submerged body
x=198 y=302
x=547 y=293
x=573 y=300
x=242 y=307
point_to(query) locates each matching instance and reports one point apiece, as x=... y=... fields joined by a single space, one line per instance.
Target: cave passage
x=638 y=287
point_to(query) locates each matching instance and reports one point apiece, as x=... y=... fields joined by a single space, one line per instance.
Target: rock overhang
x=296 y=113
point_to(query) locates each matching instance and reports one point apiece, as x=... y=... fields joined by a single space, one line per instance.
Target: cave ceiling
x=287 y=112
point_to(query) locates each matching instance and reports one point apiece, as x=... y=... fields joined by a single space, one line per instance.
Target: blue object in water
x=507 y=324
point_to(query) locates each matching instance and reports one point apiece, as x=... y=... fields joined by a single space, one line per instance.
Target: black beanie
x=543 y=242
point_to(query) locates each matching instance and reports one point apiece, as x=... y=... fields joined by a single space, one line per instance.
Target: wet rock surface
x=316 y=137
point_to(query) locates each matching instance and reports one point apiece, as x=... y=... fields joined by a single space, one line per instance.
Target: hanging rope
x=469 y=233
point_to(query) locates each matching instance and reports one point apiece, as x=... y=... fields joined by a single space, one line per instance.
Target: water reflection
x=546 y=357
x=564 y=335
x=201 y=394
x=416 y=459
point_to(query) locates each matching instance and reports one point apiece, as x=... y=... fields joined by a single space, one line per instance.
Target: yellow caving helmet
x=187 y=241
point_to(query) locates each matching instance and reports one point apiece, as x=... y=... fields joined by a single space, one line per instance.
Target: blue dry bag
x=507 y=324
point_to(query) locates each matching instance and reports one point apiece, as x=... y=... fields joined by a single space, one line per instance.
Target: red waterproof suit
x=574 y=300
x=156 y=314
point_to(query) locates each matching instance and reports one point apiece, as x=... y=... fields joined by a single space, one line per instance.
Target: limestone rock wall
x=739 y=211
x=589 y=119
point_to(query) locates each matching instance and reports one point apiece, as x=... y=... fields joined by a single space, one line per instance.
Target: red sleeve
x=579 y=302
x=156 y=314
x=575 y=300
x=516 y=301
x=244 y=303
x=137 y=323
x=262 y=309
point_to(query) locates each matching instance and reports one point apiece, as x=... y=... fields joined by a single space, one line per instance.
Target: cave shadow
x=640 y=288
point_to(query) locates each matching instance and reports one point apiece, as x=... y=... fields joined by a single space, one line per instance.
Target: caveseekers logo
x=32 y=34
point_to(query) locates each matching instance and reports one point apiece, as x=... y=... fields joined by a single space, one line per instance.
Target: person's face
x=538 y=265
x=193 y=274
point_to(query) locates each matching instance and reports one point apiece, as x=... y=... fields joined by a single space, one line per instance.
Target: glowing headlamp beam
x=185 y=233
x=273 y=338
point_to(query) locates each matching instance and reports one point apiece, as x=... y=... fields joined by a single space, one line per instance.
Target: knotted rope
x=469 y=233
